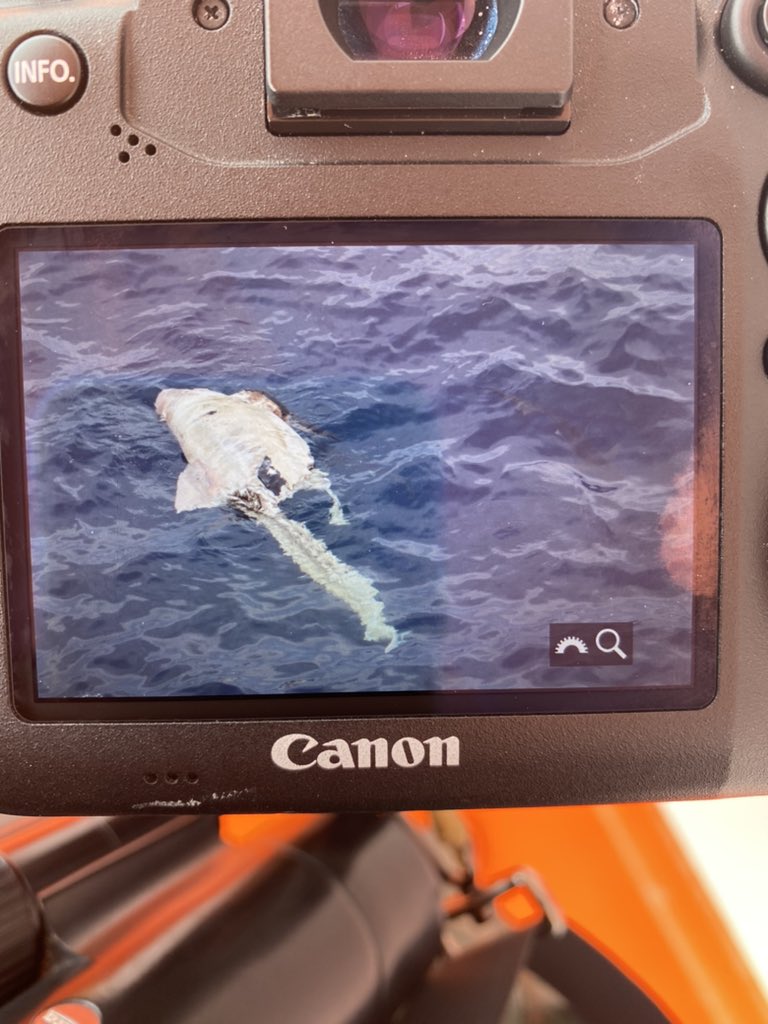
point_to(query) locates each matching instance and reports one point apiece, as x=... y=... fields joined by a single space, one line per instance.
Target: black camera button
x=45 y=73
x=743 y=41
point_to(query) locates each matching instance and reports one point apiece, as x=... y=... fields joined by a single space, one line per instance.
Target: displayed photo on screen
x=265 y=470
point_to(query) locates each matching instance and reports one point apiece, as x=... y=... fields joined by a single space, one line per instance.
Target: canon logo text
x=298 y=751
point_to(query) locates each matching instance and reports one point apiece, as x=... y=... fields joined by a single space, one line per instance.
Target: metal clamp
x=478 y=901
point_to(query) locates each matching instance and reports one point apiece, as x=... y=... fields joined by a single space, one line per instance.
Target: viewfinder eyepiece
x=367 y=66
x=418 y=29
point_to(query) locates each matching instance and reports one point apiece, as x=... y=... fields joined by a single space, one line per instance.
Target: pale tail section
x=340 y=580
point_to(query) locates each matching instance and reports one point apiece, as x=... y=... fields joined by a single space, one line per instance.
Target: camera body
x=624 y=124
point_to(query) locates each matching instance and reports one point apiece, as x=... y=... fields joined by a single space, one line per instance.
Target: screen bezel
x=703 y=235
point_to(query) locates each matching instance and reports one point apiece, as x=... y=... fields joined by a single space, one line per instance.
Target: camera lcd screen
x=303 y=468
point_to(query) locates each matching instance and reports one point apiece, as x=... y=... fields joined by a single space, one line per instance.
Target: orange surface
x=622 y=881
x=27 y=830
x=237 y=829
x=617 y=873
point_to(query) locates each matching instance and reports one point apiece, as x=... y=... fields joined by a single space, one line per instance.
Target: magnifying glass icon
x=612 y=643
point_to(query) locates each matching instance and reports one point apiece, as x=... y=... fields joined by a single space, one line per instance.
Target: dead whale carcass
x=243 y=452
x=236 y=444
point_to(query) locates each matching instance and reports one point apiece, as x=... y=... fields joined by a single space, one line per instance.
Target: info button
x=45 y=73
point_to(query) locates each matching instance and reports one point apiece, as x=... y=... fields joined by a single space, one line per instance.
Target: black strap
x=596 y=989
x=473 y=987
x=476 y=986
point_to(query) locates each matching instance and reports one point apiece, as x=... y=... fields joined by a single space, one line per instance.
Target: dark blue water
x=503 y=426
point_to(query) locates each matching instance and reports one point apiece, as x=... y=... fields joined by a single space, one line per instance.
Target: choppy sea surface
x=502 y=424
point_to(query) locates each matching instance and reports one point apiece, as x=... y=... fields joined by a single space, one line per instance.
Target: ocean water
x=503 y=425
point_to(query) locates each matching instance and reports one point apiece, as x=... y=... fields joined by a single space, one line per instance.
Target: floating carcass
x=242 y=451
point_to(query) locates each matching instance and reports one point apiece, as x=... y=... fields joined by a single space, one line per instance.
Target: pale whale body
x=242 y=451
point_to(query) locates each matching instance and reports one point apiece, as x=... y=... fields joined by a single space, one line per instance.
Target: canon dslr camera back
x=383 y=410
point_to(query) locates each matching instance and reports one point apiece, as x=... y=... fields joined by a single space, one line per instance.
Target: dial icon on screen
x=569 y=642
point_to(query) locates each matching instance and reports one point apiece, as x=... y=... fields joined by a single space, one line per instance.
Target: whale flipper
x=193 y=490
x=317 y=480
